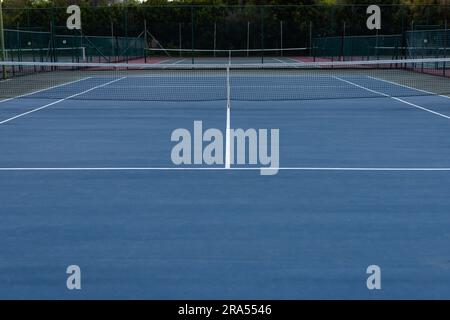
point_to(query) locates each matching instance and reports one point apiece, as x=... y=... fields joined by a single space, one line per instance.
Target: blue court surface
x=88 y=181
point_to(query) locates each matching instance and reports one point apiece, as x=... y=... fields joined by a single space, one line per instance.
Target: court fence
x=125 y=31
x=25 y=45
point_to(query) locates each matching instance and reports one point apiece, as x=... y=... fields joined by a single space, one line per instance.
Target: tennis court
x=237 y=56
x=86 y=178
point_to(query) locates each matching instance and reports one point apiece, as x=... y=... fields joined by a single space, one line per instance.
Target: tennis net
x=208 y=82
x=238 y=56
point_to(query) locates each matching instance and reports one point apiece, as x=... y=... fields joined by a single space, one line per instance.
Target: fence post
x=113 y=42
x=262 y=34
x=215 y=35
x=19 y=45
x=192 y=34
x=179 y=36
x=126 y=31
x=281 y=37
x=2 y=41
x=145 y=40
x=311 y=45
x=445 y=47
x=248 y=37
x=343 y=43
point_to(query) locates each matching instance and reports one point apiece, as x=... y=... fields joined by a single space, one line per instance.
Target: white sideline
x=58 y=101
x=41 y=90
x=392 y=97
x=408 y=87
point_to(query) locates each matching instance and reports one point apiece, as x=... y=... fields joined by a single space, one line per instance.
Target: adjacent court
x=86 y=178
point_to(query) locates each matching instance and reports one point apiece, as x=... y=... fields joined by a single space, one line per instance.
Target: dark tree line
x=195 y=23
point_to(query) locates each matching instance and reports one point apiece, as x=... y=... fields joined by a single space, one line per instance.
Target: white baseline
x=224 y=169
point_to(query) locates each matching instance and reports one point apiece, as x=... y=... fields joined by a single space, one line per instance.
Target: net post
x=2 y=41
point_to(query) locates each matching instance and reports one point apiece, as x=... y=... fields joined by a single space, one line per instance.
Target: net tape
x=291 y=65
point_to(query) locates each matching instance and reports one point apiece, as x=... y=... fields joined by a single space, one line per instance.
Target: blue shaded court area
x=86 y=179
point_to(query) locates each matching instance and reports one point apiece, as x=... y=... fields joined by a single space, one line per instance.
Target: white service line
x=408 y=87
x=379 y=169
x=158 y=62
x=292 y=60
x=179 y=61
x=162 y=61
x=279 y=60
x=41 y=90
x=295 y=61
x=58 y=101
x=172 y=61
x=394 y=98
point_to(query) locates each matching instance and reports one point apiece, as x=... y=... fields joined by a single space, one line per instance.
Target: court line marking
x=287 y=62
x=171 y=60
x=179 y=61
x=394 y=98
x=408 y=87
x=381 y=169
x=58 y=101
x=294 y=60
x=45 y=89
x=228 y=125
x=201 y=86
x=162 y=61
x=279 y=60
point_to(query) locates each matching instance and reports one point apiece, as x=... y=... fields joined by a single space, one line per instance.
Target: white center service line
x=392 y=97
x=58 y=101
x=380 y=169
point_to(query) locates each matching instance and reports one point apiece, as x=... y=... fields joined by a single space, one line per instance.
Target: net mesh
x=233 y=56
x=207 y=82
